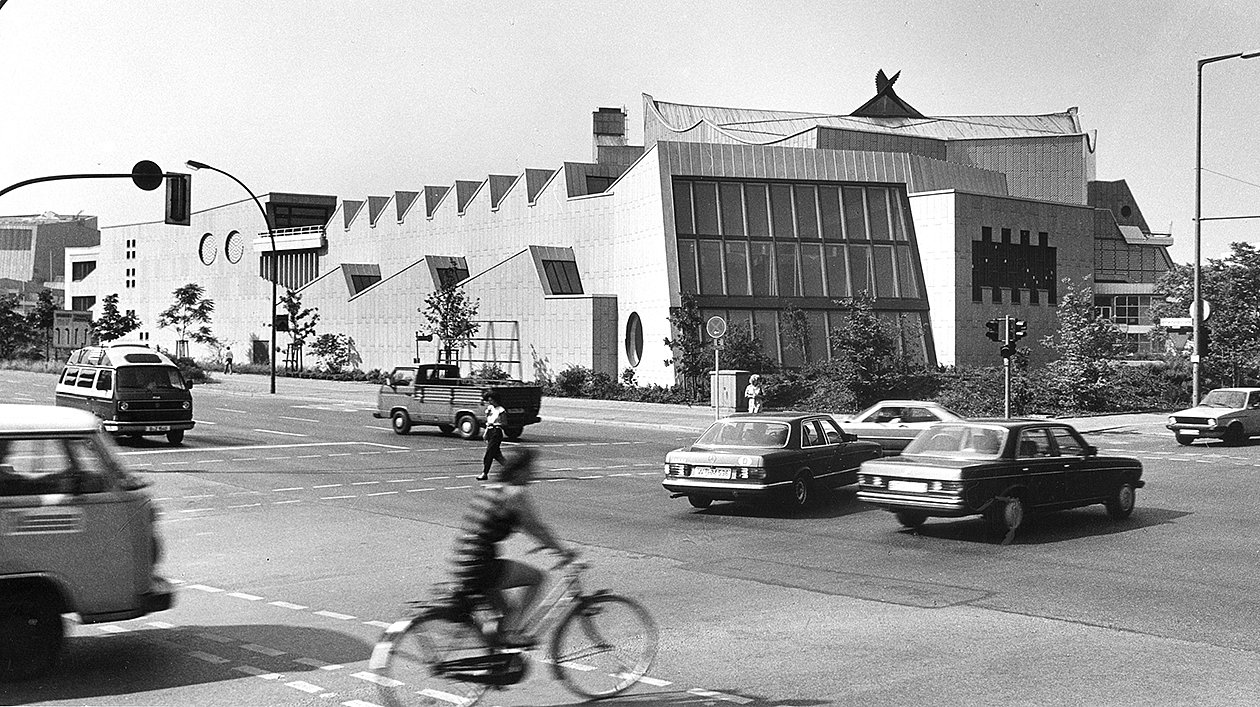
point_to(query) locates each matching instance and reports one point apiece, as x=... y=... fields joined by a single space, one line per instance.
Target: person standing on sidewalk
x=227 y=361
x=754 y=393
x=494 y=433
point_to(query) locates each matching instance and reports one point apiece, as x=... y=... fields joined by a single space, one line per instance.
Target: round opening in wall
x=634 y=339
x=207 y=249
x=235 y=247
x=1125 y=211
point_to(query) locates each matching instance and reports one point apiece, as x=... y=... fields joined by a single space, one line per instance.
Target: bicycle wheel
x=418 y=660
x=603 y=645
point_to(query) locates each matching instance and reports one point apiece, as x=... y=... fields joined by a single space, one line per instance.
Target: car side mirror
x=1091 y=450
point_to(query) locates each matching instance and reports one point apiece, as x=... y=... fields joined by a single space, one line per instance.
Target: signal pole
x=1007 y=330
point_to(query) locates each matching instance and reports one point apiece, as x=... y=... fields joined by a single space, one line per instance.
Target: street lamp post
x=1196 y=306
x=193 y=164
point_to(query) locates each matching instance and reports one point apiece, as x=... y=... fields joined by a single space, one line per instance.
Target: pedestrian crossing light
x=992 y=329
x=1008 y=350
x=1019 y=329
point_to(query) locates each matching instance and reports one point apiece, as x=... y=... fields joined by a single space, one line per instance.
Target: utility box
x=726 y=390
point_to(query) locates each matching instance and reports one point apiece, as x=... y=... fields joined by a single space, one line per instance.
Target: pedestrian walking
x=494 y=433
x=227 y=361
x=754 y=393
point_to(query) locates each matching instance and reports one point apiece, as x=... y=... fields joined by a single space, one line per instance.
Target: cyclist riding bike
x=496 y=512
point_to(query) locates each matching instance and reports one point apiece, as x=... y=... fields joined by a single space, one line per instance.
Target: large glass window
x=766 y=330
x=860 y=270
x=781 y=208
x=705 y=196
x=785 y=265
x=885 y=281
x=854 y=214
x=710 y=257
x=760 y=260
x=837 y=271
x=687 y=275
x=816 y=334
x=829 y=207
x=758 y=211
x=877 y=200
x=562 y=276
x=732 y=195
x=736 y=268
x=683 y=222
x=812 y=270
x=806 y=211
x=907 y=278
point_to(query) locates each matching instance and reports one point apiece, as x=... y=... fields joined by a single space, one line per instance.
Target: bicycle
x=445 y=654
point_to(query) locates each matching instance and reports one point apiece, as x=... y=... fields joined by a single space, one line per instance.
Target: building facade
x=943 y=222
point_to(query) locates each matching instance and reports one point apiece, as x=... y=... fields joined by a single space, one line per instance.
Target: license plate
x=157 y=428
x=911 y=486
x=711 y=472
x=1188 y=433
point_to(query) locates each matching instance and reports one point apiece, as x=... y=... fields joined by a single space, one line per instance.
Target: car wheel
x=700 y=501
x=911 y=519
x=1121 y=504
x=175 y=436
x=1006 y=514
x=401 y=422
x=802 y=490
x=1234 y=435
x=468 y=427
x=446 y=429
x=31 y=634
x=1185 y=440
x=513 y=433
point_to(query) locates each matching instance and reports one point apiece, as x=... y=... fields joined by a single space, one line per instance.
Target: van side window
x=29 y=467
x=85 y=378
x=91 y=472
x=69 y=376
x=105 y=380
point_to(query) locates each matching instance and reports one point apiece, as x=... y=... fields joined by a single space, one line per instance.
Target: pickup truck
x=436 y=394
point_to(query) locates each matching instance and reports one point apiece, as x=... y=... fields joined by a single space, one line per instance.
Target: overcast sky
x=356 y=98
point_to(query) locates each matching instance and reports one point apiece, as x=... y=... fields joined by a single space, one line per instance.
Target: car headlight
x=1211 y=422
x=123 y=405
x=1172 y=420
x=187 y=405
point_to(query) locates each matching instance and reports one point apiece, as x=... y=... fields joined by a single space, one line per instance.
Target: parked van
x=78 y=535
x=133 y=389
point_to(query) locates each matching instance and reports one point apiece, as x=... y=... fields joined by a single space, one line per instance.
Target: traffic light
x=992 y=329
x=178 y=199
x=1008 y=350
x=1019 y=329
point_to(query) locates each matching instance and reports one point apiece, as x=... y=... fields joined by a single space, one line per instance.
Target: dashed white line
x=280 y=503
x=334 y=615
x=384 y=493
x=335 y=498
x=376 y=679
x=278 y=432
x=246 y=597
x=287 y=605
x=299 y=419
x=231 y=410
x=246 y=505
x=325 y=486
x=291 y=488
x=378 y=624
x=321 y=665
x=204 y=588
x=304 y=686
x=363 y=483
x=429 y=488
x=257 y=672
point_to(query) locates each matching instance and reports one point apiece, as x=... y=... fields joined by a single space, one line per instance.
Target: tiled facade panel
x=1069 y=232
x=1050 y=168
x=933 y=175
x=382 y=321
x=17 y=256
x=837 y=139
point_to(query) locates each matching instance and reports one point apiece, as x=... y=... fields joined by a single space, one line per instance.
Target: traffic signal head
x=1019 y=329
x=1008 y=350
x=992 y=329
x=178 y=199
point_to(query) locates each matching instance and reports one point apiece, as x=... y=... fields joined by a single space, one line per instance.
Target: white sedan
x=894 y=423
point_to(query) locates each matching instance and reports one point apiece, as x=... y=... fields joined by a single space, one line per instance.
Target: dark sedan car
x=787 y=454
x=1001 y=469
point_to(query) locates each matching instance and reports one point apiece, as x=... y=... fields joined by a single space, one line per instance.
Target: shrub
x=191 y=370
x=492 y=372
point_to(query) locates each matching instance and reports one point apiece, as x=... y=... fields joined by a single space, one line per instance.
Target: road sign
x=147 y=175
x=716 y=326
x=1176 y=322
x=1207 y=310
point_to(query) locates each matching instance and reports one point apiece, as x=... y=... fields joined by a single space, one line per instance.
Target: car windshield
x=744 y=433
x=150 y=378
x=963 y=441
x=1225 y=399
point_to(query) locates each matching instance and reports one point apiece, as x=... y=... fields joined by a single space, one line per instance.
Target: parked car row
x=1002 y=470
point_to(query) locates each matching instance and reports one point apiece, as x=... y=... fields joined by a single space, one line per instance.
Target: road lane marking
x=278 y=432
x=257 y=672
x=334 y=615
x=246 y=597
x=246 y=505
x=231 y=410
x=325 y=486
x=646 y=680
x=335 y=498
x=430 y=488
x=204 y=588
x=299 y=419
x=292 y=445
x=278 y=503
x=364 y=483
x=378 y=624
x=319 y=664
x=304 y=686
x=291 y=488
x=287 y=605
x=384 y=493
x=376 y=679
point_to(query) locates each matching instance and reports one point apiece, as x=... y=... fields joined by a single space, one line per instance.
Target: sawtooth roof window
x=562 y=277
x=359 y=277
x=447 y=270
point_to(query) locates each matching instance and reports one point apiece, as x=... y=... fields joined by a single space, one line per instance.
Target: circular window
x=1125 y=211
x=235 y=246
x=207 y=249
x=634 y=339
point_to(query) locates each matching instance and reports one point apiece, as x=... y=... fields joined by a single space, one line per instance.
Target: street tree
x=302 y=321
x=449 y=315
x=1232 y=286
x=691 y=348
x=14 y=328
x=1087 y=345
x=112 y=325
x=189 y=316
x=40 y=322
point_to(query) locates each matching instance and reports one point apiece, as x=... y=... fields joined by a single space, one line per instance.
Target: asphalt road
x=297 y=526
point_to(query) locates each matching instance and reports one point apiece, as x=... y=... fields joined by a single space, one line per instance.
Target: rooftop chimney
x=609 y=128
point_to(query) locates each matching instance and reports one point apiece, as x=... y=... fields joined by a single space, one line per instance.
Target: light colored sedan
x=894 y=423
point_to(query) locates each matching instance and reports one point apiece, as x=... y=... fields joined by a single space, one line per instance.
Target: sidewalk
x=659 y=416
